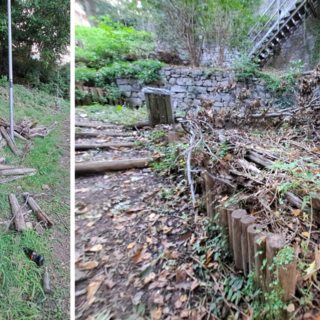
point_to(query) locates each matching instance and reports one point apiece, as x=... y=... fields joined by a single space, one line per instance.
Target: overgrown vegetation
x=277 y=83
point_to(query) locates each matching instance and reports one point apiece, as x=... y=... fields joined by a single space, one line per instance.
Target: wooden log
x=287 y=275
x=97 y=125
x=7 y=125
x=46 y=131
x=18 y=171
x=102 y=133
x=294 y=200
x=209 y=197
x=17 y=213
x=26 y=150
x=39 y=212
x=236 y=234
x=115 y=165
x=19 y=136
x=251 y=233
x=258 y=158
x=223 y=221
x=104 y=145
x=245 y=222
x=7 y=166
x=5 y=180
x=274 y=243
x=230 y=208
x=10 y=142
x=140 y=124
x=260 y=253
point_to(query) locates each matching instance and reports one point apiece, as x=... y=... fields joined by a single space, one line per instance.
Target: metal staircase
x=275 y=26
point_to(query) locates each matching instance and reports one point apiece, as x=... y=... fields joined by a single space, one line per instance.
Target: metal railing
x=270 y=19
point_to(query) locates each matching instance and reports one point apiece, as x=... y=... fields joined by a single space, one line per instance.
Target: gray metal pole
x=10 y=70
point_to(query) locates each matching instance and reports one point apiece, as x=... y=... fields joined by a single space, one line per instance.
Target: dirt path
x=134 y=234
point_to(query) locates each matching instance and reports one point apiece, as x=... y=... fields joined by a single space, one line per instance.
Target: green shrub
x=85 y=74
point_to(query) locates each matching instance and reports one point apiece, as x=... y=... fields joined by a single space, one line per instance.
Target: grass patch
x=21 y=279
x=113 y=114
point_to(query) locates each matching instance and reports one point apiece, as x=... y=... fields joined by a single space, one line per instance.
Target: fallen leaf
x=146 y=256
x=149 y=240
x=315 y=150
x=194 y=284
x=156 y=314
x=119 y=227
x=135 y=209
x=90 y=224
x=184 y=314
x=185 y=237
x=311 y=268
x=296 y=212
x=291 y=307
x=166 y=244
x=305 y=234
x=136 y=299
x=148 y=278
x=138 y=257
x=158 y=298
x=92 y=288
x=174 y=254
x=178 y=304
x=166 y=229
x=95 y=248
x=183 y=298
x=89 y=265
x=227 y=157
x=82 y=190
x=109 y=283
x=180 y=275
x=131 y=245
x=157 y=284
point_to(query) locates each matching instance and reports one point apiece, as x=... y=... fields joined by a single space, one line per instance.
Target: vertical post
x=10 y=70
x=278 y=9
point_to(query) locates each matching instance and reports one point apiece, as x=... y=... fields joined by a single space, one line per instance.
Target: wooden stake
x=26 y=150
x=39 y=213
x=115 y=165
x=16 y=211
x=275 y=242
x=260 y=252
x=230 y=208
x=245 y=222
x=288 y=279
x=236 y=233
x=10 y=142
x=209 y=197
x=223 y=221
x=251 y=233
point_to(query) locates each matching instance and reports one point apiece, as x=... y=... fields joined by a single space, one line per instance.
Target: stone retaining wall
x=189 y=85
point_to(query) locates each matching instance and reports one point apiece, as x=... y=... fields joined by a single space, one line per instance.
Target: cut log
x=245 y=222
x=102 y=133
x=97 y=125
x=104 y=145
x=39 y=213
x=294 y=200
x=260 y=253
x=17 y=213
x=19 y=136
x=230 y=208
x=10 y=142
x=251 y=233
x=236 y=234
x=115 y=165
x=26 y=150
x=18 y=171
x=258 y=158
x=7 y=166
x=46 y=131
x=7 y=125
x=275 y=242
x=5 y=180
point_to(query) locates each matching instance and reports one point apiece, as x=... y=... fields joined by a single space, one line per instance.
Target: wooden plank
x=169 y=106
x=162 y=109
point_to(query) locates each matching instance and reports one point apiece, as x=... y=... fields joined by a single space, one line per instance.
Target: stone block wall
x=187 y=86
